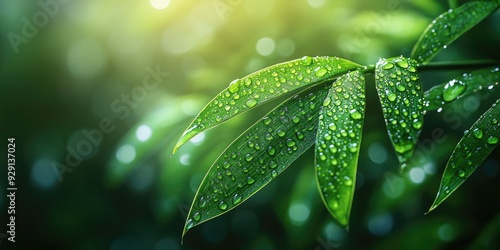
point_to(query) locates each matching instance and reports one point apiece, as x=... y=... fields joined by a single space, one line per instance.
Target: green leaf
x=259 y=155
x=337 y=144
x=468 y=83
x=259 y=87
x=400 y=92
x=449 y=26
x=473 y=148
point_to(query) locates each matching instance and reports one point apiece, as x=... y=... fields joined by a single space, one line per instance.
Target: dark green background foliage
x=138 y=75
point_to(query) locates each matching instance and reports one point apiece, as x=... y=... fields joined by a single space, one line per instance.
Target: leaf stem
x=447 y=65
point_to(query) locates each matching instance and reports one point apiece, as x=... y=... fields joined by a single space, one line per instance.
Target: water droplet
x=250 y=180
x=388 y=66
x=327 y=102
x=492 y=140
x=348 y=182
x=332 y=127
x=281 y=133
x=403 y=64
x=306 y=60
x=248 y=157
x=478 y=133
x=401 y=87
x=356 y=115
x=391 y=96
x=236 y=199
x=271 y=150
x=296 y=119
x=290 y=142
x=417 y=124
x=234 y=86
x=222 y=205
x=251 y=103
x=274 y=173
x=197 y=216
x=248 y=82
x=320 y=71
x=453 y=89
x=461 y=173
x=189 y=224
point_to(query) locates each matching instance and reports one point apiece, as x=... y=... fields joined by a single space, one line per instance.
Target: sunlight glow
x=160 y=4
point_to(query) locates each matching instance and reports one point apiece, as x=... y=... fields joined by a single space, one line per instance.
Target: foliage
x=329 y=112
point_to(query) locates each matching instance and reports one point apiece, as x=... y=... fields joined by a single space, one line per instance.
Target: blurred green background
x=118 y=81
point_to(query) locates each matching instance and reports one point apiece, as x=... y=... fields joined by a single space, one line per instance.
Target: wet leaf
x=473 y=148
x=337 y=144
x=259 y=87
x=259 y=155
x=449 y=26
x=468 y=83
x=400 y=92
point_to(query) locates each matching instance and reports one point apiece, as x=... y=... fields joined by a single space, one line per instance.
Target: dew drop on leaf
x=236 y=199
x=251 y=103
x=492 y=140
x=222 y=205
x=197 y=216
x=478 y=133
x=452 y=90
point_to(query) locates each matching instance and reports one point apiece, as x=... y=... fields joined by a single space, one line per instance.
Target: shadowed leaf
x=259 y=155
x=473 y=148
x=449 y=26
x=337 y=144
x=468 y=83
x=400 y=92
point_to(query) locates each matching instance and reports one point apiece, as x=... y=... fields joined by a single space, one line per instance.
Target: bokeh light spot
x=143 y=133
x=42 y=173
x=265 y=46
x=86 y=58
x=381 y=224
x=417 y=175
x=377 y=152
x=125 y=154
x=298 y=213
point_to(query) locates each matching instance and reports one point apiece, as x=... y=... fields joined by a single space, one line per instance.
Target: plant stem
x=447 y=65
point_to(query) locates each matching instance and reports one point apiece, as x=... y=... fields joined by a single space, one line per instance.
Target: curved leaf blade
x=337 y=144
x=264 y=85
x=462 y=86
x=471 y=151
x=449 y=26
x=400 y=93
x=259 y=155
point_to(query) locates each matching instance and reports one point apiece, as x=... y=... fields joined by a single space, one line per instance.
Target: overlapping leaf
x=473 y=148
x=259 y=155
x=252 y=90
x=400 y=92
x=449 y=26
x=468 y=83
x=337 y=144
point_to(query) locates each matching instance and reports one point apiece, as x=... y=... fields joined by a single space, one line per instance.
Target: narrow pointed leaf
x=468 y=83
x=260 y=154
x=337 y=144
x=400 y=93
x=449 y=26
x=473 y=148
x=259 y=87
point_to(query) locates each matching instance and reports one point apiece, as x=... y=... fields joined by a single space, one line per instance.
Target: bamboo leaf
x=259 y=87
x=449 y=26
x=468 y=83
x=473 y=148
x=400 y=93
x=259 y=155
x=337 y=144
